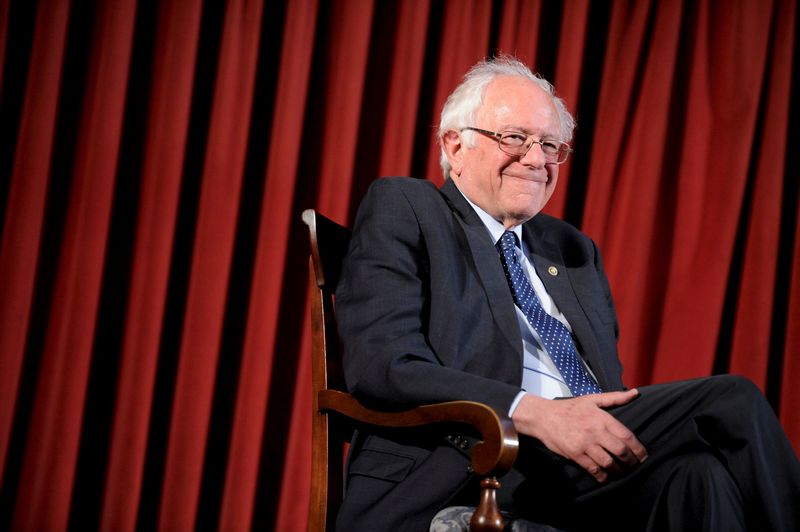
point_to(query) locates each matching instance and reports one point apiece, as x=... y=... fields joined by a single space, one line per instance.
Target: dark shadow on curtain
x=790 y=218
x=86 y=503
x=241 y=275
x=19 y=30
x=181 y=265
x=76 y=57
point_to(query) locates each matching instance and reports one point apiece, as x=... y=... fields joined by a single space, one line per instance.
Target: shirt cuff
x=515 y=403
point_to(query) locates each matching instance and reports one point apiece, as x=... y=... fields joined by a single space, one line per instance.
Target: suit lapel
x=486 y=264
x=547 y=256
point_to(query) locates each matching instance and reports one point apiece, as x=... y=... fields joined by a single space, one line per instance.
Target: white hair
x=463 y=103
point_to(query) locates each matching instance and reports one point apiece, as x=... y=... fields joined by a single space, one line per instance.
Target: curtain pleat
x=297 y=471
x=403 y=94
x=345 y=78
x=346 y=71
x=464 y=38
x=630 y=155
x=567 y=79
x=790 y=367
x=154 y=330
x=25 y=207
x=211 y=263
x=169 y=99
x=787 y=289
x=519 y=25
x=277 y=216
x=761 y=210
x=48 y=467
x=626 y=42
x=724 y=89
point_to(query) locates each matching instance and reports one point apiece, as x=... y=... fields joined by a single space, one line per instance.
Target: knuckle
x=618 y=448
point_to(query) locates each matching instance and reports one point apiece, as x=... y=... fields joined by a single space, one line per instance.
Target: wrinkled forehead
x=518 y=103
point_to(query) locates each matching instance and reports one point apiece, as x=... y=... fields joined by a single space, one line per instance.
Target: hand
x=580 y=430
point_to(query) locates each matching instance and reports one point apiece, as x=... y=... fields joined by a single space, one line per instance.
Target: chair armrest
x=493 y=455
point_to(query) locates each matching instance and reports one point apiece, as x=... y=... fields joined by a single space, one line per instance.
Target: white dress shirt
x=540 y=375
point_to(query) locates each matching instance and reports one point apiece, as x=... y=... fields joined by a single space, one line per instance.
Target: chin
x=529 y=210
x=521 y=217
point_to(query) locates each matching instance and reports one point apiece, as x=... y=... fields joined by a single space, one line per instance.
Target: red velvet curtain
x=156 y=155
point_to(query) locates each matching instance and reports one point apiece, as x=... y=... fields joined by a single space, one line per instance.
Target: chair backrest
x=330 y=433
x=335 y=413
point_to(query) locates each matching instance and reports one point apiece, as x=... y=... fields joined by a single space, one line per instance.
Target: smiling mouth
x=536 y=179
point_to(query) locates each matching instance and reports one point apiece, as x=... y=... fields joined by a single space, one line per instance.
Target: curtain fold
x=567 y=79
x=25 y=204
x=789 y=393
x=761 y=213
x=464 y=37
x=403 y=93
x=723 y=101
x=177 y=35
x=154 y=330
x=48 y=465
x=632 y=149
x=212 y=255
x=277 y=216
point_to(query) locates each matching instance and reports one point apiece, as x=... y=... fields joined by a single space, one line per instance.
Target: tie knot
x=508 y=241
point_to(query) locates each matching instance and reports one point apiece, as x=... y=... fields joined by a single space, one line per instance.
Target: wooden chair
x=336 y=413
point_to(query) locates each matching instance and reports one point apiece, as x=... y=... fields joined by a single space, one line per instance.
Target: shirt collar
x=495 y=228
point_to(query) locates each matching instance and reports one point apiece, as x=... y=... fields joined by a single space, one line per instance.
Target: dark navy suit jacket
x=426 y=315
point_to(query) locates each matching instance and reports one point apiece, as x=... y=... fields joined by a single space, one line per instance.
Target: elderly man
x=468 y=292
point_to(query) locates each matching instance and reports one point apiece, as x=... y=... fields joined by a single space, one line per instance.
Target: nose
x=534 y=156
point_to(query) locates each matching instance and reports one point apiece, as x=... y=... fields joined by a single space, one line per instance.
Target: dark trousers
x=718 y=460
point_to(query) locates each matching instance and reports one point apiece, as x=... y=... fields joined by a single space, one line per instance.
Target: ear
x=453 y=147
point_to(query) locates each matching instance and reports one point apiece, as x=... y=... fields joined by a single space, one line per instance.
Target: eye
x=551 y=147
x=510 y=138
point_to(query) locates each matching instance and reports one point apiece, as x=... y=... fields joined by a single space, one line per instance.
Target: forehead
x=514 y=102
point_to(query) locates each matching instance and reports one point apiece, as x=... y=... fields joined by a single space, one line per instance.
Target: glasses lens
x=554 y=151
x=563 y=153
x=513 y=143
x=550 y=148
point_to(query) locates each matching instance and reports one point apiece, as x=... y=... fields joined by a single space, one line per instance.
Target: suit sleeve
x=383 y=305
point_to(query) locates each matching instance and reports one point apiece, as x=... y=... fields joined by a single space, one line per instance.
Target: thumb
x=605 y=400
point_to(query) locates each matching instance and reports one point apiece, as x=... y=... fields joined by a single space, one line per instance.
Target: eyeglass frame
x=498 y=136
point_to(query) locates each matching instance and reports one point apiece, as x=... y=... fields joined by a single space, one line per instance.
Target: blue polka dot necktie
x=555 y=336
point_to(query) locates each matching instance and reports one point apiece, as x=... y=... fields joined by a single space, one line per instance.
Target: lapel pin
x=552 y=270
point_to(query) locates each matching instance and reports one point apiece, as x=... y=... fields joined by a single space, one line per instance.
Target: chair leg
x=487 y=515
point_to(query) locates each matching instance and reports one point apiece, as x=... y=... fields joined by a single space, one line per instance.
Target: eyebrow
x=527 y=131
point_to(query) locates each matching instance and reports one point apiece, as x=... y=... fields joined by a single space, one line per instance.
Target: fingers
x=603 y=464
x=616 y=451
x=627 y=446
x=599 y=463
x=620 y=451
x=592 y=467
x=582 y=430
x=632 y=450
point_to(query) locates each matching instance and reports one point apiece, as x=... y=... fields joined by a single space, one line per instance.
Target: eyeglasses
x=519 y=144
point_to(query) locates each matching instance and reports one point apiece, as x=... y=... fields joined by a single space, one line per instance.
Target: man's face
x=512 y=189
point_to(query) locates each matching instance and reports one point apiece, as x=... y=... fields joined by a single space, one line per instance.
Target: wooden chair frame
x=336 y=413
